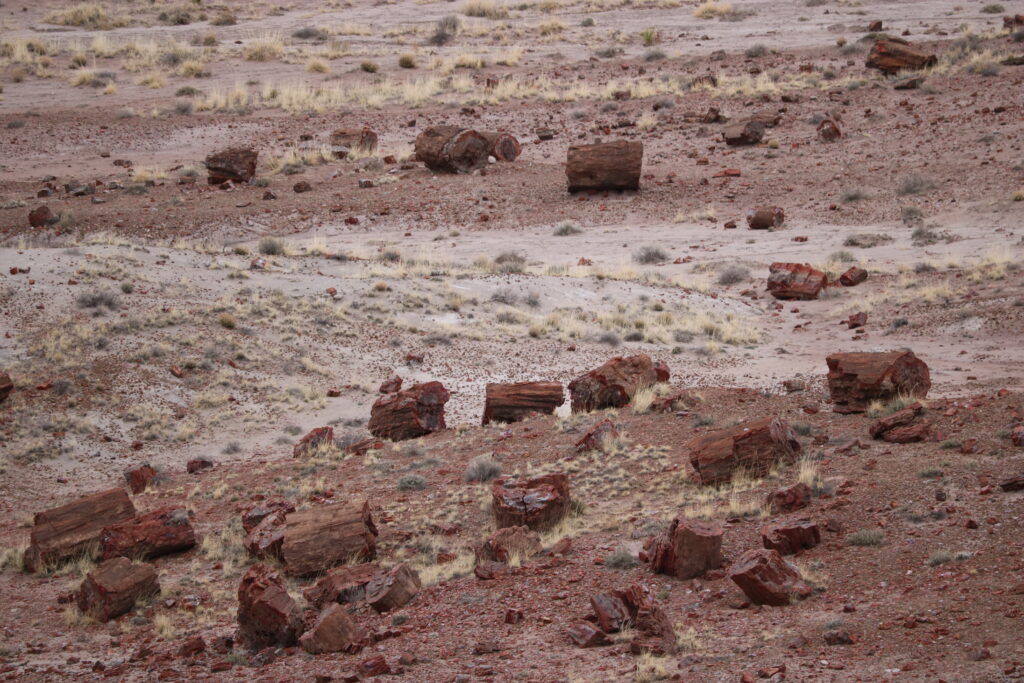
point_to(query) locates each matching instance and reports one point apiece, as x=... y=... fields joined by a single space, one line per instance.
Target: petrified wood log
x=687 y=549
x=795 y=281
x=391 y=590
x=893 y=55
x=112 y=588
x=362 y=139
x=452 y=149
x=237 y=164
x=411 y=413
x=613 y=384
x=267 y=614
x=502 y=146
x=856 y=379
x=604 y=166
x=321 y=537
x=753 y=446
x=539 y=503
x=157 y=533
x=513 y=402
x=74 y=529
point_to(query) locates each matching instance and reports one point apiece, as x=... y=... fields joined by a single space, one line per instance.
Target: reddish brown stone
x=510 y=542
x=853 y=277
x=237 y=165
x=766 y=218
x=333 y=631
x=71 y=530
x=490 y=570
x=894 y=54
x=747 y=132
x=687 y=549
x=902 y=426
x=789 y=498
x=392 y=385
x=6 y=386
x=374 y=666
x=828 y=130
x=856 y=320
x=267 y=615
x=260 y=511
x=753 y=446
x=767 y=579
x=539 y=503
x=652 y=625
x=198 y=465
x=598 y=437
x=113 y=588
x=584 y=634
x=317 y=438
x=265 y=539
x=328 y=535
x=409 y=414
x=139 y=477
x=192 y=646
x=513 y=402
x=344 y=140
x=1017 y=435
x=611 y=612
x=40 y=217
x=157 y=533
x=391 y=590
x=1015 y=483
x=795 y=281
x=788 y=538
x=613 y=384
x=856 y=379
x=342 y=584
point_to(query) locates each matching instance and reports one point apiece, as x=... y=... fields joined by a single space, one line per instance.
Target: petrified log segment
x=539 y=503
x=598 y=437
x=687 y=549
x=333 y=631
x=451 y=149
x=237 y=164
x=513 y=402
x=853 y=277
x=321 y=537
x=341 y=584
x=754 y=446
x=112 y=588
x=6 y=386
x=748 y=132
x=157 y=533
x=267 y=614
x=789 y=498
x=767 y=579
x=260 y=511
x=266 y=538
x=604 y=166
x=509 y=542
x=362 y=139
x=409 y=414
x=789 y=538
x=502 y=146
x=613 y=384
x=139 y=477
x=766 y=217
x=856 y=379
x=795 y=281
x=585 y=635
x=893 y=55
x=902 y=426
x=391 y=590
x=636 y=607
x=316 y=438
x=73 y=529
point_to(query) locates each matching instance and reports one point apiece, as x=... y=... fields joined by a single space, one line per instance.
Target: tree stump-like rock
x=74 y=529
x=513 y=402
x=613 y=384
x=767 y=579
x=342 y=584
x=139 y=477
x=267 y=614
x=452 y=149
x=894 y=55
x=508 y=543
x=789 y=538
x=157 y=533
x=112 y=588
x=345 y=139
x=409 y=414
x=328 y=535
x=687 y=549
x=317 y=438
x=856 y=379
x=502 y=146
x=795 y=281
x=766 y=218
x=753 y=446
x=604 y=166
x=539 y=503
x=598 y=437
x=237 y=164
x=391 y=590
x=6 y=386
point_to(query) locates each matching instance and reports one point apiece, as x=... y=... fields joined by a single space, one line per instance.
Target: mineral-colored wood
x=73 y=529
x=328 y=535
x=513 y=402
x=502 y=146
x=753 y=446
x=893 y=55
x=452 y=149
x=113 y=587
x=604 y=166
x=857 y=379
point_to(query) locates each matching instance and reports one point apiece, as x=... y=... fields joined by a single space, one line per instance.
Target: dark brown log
x=767 y=579
x=513 y=402
x=893 y=55
x=753 y=446
x=795 y=281
x=361 y=139
x=687 y=549
x=766 y=217
x=856 y=379
x=112 y=588
x=157 y=533
x=746 y=132
x=613 y=384
x=236 y=164
x=502 y=146
x=789 y=538
x=267 y=614
x=333 y=631
x=391 y=590
x=539 y=503
x=321 y=537
x=74 y=529
x=341 y=584
x=452 y=149
x=411 y=413
x=6 y=386
x=604 y=166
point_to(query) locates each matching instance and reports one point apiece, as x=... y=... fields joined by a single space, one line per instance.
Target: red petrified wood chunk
x=333 y=631
x=789 y=498
x=790 y=537
x=598 y=437
x=767 y=579
x=795 y=281
x=687 y=549
x=613 y=384
x=322 y=537
x=267 y=614
x=319 y=437
x=139 y=477
x=902 y=426
x=539 y=503
x=342 y=584
x=391 y=590
x=754 y=446
x=113 y=588
x=513 y=402
x=510 y=542
x=70 y=530
x=411 y=413
x=856 y=379
x=157 y=533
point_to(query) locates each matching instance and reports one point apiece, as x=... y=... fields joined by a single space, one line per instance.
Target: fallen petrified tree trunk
x=893 y=55
x=539 y=503
x=513 y=402
x=795 y=281
x=502 y=146
x=452 y=149
x=408 y=414
x=613 y=384
x=322 y=537
x=112 y=588
x=237 y=164
x=856 y=379
x=754 y=446
x=604 y=166
x=343 y=140
x=687 y=549
x=74 y=529
x=157 y=533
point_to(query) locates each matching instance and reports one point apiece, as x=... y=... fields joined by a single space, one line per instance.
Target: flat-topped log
x=513 y=402
x=72 y=530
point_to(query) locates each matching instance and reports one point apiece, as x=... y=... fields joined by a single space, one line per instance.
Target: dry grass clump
x=264 y=48
x=484 y=9
x=317 y=66
x=712 y=10
x=88 y=15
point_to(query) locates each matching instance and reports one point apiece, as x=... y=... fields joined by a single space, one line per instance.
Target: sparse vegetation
x=866 y=537
x=481 y=469
x=649 y=255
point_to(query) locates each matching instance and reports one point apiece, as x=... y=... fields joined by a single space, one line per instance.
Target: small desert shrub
x=567 y=228
x=923 y=267
x=730 y=275
x=446 y=29
x=711 y=9
x=621 y=559
x=866 y=537
x=510 y=262
x=482 y=468
x=940 y=557
x=193 y=68
x=87 y=15
x=97 y=299
x=650 y=36
x=654 y=55
x=587 y=22
x=932 y=472
x=911 y=215
x=407 y=61
x=176 y=16
x=272 y=246
x=866 y=240
x=227 y=321
x=842 y=256
x=369 y=67
x=756 y=50
x=650 y=254
x=264 y=48
x=412 y=482
x=915 y=183
x=484 y=9
x=316 y=66
x=610 y=338
x=993 y=8
x=224 y=19
x=311 y=33
x=853 y=195
x=188 y=91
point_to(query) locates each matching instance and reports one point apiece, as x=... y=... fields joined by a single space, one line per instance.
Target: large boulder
x=237 y=164
x=789 y=538
x=156 y=533
x=687 y=549
x=754 y=447
x=409 y=414
x=767 y=579
x=613 y=384
x=857 y=379
x=113 y=588
x=892 y=55
x=539 y=503
x=72 y=530
x=795 y=281
x=333 y=631
x=267 y=614
x=328 y=535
